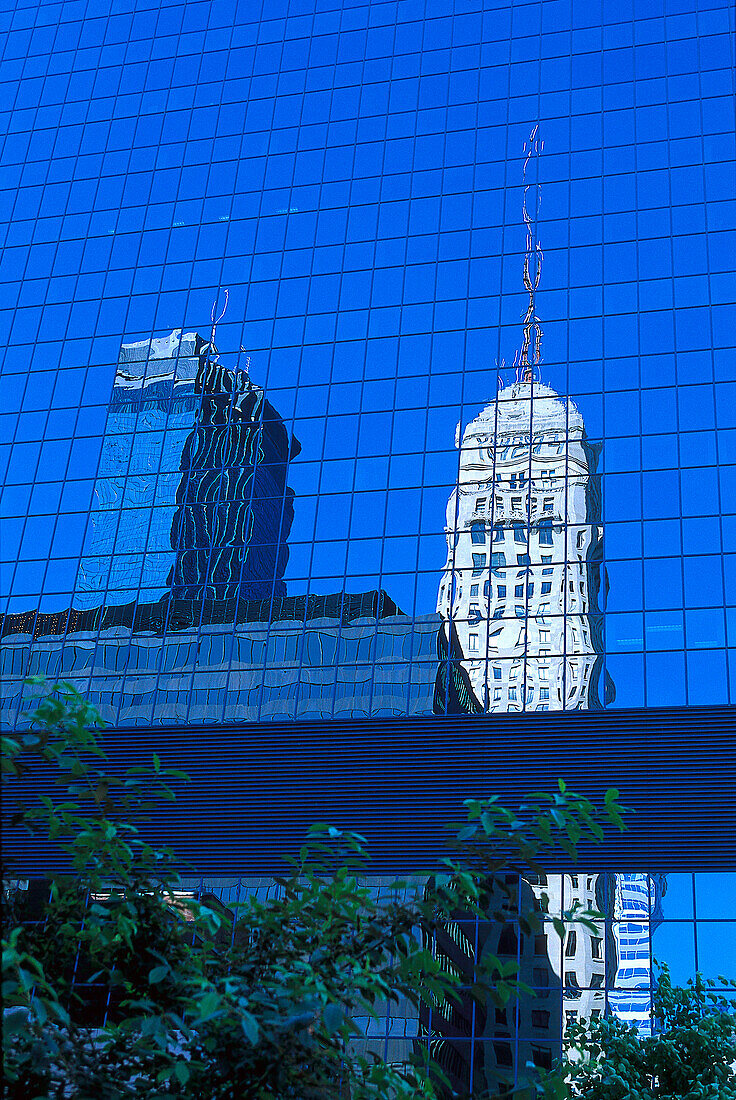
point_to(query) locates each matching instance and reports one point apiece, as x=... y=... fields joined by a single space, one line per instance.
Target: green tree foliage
x=691 y=1054
x=125 y=985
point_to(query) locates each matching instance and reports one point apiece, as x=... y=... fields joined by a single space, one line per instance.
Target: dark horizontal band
x=256 y=788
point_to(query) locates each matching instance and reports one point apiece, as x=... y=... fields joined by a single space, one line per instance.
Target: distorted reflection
x=520 y=589
x=190 y=498
x=523 y=572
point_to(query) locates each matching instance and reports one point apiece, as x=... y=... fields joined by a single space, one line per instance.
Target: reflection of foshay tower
x=520 y=585
x=522 y=631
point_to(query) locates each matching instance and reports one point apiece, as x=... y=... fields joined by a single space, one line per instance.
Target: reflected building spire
x=519 y=591
x=532 y=273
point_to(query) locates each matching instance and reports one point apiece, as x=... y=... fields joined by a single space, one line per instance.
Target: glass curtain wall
x=368 y=359
x=377 y=359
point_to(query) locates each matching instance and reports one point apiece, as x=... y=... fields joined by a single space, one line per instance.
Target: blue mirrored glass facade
x=272 y=278
x=370 y=360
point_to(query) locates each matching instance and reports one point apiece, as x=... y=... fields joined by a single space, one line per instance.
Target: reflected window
x=507 y=942
x=498 y=532
x=504 y=1055
x=479 y=564
x=478 y=533
x=546 y=587
x=545 y=532
x=542 y=1057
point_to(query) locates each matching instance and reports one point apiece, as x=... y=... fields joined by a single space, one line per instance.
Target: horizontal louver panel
x=255 y=789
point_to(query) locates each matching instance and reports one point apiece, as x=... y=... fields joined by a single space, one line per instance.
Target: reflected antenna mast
x=532 y=341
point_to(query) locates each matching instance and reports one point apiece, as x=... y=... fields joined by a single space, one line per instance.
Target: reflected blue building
x=190 y=497
x=332 y=657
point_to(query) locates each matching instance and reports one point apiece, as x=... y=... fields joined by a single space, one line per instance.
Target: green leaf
x=250 y=1027
x=181 y=1072
x=332 y=1017
x=158 y=973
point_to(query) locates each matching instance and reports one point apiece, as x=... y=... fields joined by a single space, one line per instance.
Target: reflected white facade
x=579 y=960
x=520 y=535
x=635 y=903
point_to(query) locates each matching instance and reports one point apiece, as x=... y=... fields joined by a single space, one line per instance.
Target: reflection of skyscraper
x=579 y=960
x=127 y=552
x=636 y=911
x=235 y=509
x=521 y=623
x=480 y=1045
x=522 y=534
x=519 y=590
x=191 y=495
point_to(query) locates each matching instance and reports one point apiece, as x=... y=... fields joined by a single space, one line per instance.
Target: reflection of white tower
x=579 y=961
x=519 y=536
